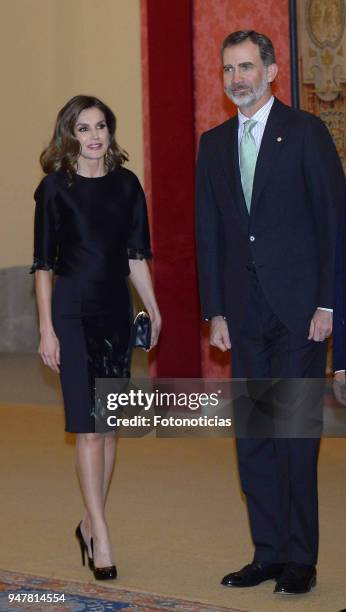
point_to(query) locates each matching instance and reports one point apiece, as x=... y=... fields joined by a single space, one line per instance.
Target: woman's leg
x=95 y=460
x=109 y=455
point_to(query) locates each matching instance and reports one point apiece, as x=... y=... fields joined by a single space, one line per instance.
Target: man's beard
x=252 y=97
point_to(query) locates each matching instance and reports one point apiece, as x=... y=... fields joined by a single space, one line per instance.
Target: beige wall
x=50 y=51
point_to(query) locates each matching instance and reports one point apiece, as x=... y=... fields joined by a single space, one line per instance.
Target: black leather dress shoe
x=296 y=579
x=253 y=574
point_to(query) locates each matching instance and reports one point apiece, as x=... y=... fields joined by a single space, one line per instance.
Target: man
x=269 y=183
x=339 y=318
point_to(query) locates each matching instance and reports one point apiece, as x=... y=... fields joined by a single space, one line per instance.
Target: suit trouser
x=278 y=475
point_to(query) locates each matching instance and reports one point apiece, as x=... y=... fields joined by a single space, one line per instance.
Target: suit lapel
x=273 y=142
x=270 y=150
x=230 y=166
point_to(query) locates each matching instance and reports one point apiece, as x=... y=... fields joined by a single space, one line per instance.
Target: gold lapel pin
x=279 y=139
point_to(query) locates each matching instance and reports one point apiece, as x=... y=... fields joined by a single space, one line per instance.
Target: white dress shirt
x=261 y=117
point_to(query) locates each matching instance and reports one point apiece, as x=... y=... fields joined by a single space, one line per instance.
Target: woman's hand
x=49 y=349
x=156 y=322
x=141 y=279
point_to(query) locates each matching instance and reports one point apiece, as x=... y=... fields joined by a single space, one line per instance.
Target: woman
x=91 y=229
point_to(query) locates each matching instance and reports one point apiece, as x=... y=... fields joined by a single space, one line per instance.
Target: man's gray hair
x=264 y=43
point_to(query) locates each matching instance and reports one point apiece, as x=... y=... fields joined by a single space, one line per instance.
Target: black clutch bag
x=142 y=330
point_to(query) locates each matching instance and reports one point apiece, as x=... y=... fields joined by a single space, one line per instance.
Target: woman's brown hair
x=63 y=150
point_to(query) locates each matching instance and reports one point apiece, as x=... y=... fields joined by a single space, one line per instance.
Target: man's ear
x=272 y=71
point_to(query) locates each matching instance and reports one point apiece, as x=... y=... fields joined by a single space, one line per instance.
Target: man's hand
x=339 y=387
x=219 y=335
x=321 y=325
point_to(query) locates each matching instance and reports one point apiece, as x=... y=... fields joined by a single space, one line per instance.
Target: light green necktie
x=247 y=160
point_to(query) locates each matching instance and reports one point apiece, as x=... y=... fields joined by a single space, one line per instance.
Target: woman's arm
x=49 y=348
x=141 y=279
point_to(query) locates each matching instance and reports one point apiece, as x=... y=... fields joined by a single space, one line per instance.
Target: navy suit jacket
x=290 y=233
x=339 y=328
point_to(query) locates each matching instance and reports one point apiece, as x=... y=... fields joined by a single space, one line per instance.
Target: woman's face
x=92 y=132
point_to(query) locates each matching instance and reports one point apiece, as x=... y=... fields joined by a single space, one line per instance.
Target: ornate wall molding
x=321 y=35
x=323 y=46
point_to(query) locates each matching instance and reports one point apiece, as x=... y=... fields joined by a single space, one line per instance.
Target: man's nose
x=236 y=75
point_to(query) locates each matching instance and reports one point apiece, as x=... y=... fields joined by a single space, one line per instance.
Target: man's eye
x=228 y=69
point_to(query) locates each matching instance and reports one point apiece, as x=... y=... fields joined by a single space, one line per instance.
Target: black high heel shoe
x=103 y=573
x=83 y=547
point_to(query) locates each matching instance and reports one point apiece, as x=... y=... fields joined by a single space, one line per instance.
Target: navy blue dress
x=86 y=231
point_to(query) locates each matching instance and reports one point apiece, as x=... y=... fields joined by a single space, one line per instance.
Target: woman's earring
x=108 y=154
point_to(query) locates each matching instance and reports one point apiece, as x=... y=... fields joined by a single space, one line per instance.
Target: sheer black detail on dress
x=38 y=264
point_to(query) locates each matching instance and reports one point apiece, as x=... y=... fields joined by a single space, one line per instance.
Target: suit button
x=252 y=238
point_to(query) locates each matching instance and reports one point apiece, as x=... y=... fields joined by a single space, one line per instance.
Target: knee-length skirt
x=92 y=320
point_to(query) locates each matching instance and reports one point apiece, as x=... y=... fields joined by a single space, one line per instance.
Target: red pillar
x=169 y=181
